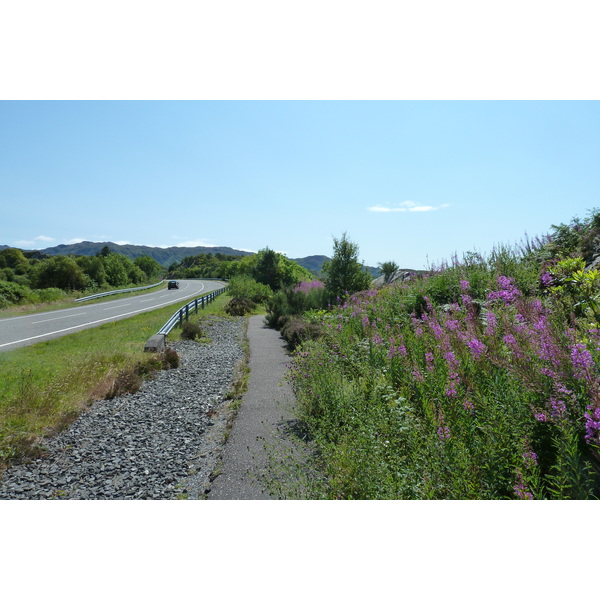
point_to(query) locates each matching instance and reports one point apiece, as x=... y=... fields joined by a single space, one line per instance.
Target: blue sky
x=410 y=181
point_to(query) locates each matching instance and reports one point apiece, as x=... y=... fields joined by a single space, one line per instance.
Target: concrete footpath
x=262 y=435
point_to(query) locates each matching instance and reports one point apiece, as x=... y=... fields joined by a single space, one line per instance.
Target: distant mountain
x=164 y=256
x=313 y=263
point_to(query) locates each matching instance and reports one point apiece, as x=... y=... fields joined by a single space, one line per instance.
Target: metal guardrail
x=146 y=287
x=184 y=312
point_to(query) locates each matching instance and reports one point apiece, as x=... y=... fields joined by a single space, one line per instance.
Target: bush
x=171 y=359
x=190 y=331
x=238 y=307
x=126 y=382
x=245 y=287
x=50 y=295
x=13 y=293
x=295 y=301
x=297 y=330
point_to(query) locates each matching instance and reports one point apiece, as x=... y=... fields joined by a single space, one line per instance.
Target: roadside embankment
x=141 y=445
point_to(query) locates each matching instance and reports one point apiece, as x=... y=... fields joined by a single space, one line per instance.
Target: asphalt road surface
x=16 y=332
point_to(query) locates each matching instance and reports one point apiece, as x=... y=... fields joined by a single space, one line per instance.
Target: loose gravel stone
x=140 y=445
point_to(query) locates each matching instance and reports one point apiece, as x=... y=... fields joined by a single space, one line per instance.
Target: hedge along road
x=16 y=332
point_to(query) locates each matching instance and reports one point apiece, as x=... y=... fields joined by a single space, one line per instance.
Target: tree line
x=28 y=276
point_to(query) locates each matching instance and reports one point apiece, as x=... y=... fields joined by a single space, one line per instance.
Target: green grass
x=45 y=386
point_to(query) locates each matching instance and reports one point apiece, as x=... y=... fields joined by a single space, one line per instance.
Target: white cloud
x=194 y=243
x=34 y=243
x=407 y=206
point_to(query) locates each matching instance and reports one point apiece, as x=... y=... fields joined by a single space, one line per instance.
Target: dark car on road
x=173 y=285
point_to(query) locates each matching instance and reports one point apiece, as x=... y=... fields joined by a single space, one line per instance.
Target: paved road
x=16 y=332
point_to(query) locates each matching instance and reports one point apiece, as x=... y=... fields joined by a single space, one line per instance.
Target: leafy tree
x=93 y=267
x=345 y=275
x=60 y=272
x=117 y=267
x=388 y=268
x=267 y=269
x=14 y=259
x=277 y=271
x=149 y=266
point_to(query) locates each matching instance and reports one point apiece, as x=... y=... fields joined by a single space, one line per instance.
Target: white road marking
x=119 y=306
x=57 y=318
x=41 y=314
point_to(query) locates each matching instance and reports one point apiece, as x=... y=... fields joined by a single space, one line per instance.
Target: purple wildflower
x=450 y=358
x=582 y=360
x=307 y=286
x=592 y=426
x=492 y=322
x=452 y=325
x=507 y=291
x=558 y=408
x=468 y=405
x=477 y=348
x=531 y=459
x=465 y=286
x=418 y=375
x=546 y=280
x=443 y=432
x=451 y=390
x=520 y=488
x=437 y=330
x=429 y=360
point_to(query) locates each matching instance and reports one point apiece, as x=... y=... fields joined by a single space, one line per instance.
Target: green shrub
x=246 y=288
x=238 y=307
x=190 y=331
x=13 y=293
x=50 y=294
x=293 y=301
x=297 y=330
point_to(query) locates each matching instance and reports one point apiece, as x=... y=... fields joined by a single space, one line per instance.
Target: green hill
x=164 y=256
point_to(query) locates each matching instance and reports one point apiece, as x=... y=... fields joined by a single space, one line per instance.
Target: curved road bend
x=16 y=332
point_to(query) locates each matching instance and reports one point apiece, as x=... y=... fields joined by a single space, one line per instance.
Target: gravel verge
x=163 y=442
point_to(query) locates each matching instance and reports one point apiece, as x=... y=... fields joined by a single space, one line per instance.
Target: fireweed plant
x=467 y=384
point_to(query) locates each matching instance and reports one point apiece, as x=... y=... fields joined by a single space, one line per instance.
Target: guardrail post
x=181 y=318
